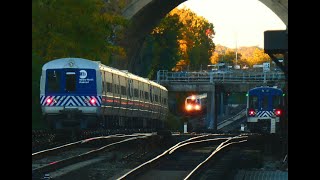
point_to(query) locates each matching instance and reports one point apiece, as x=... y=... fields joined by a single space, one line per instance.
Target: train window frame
x=146 y=95
x=265 y=102
x=252 y=104
x=123 y=90
x=279 y=99
x=156 y=98
x=109 y=87
x=164 y=100
x=103 y=82
x=55 y=80
x=136 y=92
x=70 y=81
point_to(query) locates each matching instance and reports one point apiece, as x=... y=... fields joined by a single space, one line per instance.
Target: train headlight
x=197 y=107
x=93 y=101
x=251 y=112
x=188 y=107
x=278 y=112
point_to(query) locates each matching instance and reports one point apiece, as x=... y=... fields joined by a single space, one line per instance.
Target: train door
x=116 y=98
x=70 y=84
x=131 y=96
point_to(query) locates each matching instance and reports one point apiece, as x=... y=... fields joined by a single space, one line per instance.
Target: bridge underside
x=227 y=87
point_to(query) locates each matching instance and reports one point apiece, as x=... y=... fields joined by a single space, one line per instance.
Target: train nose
x=189 y=107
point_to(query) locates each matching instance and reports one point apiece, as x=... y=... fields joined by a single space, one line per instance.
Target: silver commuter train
x=76 y=92
x=196 y=104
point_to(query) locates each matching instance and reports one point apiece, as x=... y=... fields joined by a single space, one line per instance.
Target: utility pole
x=236 y=49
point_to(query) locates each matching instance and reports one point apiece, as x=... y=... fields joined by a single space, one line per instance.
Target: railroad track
x=46 y=139
x=55 y=159
x=185 y=159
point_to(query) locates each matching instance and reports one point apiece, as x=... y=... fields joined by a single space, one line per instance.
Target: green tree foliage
x=160 y=50
x=253 y=55
x=181 y=39
x=196 y=45
x=71 y=28
x=246 y=56
x=74 y=28
x=226 y=55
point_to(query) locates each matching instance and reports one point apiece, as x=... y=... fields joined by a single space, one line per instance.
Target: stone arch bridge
x=144 y=15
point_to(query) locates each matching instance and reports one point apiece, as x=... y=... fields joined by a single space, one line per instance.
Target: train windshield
x=71 y=81
x=265 y=102
x=277 y=101
x=53 y=81
x=192 y=101
x=253 y=102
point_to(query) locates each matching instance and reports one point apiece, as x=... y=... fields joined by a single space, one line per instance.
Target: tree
x=182 y=39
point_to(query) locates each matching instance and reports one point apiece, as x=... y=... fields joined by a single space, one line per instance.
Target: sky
x=237 y=22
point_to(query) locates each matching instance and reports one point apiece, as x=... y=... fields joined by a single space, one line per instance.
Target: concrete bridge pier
x=211 y=119
x=221 y=113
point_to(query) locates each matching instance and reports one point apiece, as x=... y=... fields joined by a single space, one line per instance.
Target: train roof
x=265 y=89
x=132 y=76
x=198 y=96
x=71 y=62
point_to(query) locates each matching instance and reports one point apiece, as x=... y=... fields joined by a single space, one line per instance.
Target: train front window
x=276 y=101
x=70 y=81
x=191 y=101
x=265 y=102
x=253 y=102
x=53 y=81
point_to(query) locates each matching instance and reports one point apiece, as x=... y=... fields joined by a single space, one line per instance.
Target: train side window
x=53 y=82
x=109 y=87
x=123 y=90
x=103 y=82
x=146 y=95
x=136 y=92
x=70 y=81
x=253 y=102
x=118 y=89
x=164 y=100
x=156 y=98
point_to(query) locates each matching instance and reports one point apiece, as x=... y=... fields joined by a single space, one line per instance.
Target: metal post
x=158 y=76
x=185 y=127
x=221 y=103
x=211 y=109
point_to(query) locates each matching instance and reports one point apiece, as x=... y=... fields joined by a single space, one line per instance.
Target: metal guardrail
x=232 y=119
x=163 y=76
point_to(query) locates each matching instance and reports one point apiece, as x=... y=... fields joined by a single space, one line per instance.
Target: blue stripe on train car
x=62 y=101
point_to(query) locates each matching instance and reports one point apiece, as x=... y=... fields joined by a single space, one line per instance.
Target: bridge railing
x=163 y=76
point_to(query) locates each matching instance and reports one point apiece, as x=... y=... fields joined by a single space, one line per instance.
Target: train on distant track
x=85 y=94
x=265 y=108
x=196 y=104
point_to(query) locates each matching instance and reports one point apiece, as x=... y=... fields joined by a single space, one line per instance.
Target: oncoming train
x=196 y=104
x=76 y=92
x=264 y=109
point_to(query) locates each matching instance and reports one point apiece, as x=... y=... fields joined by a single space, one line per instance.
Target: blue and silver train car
x=264 y=109
x=76 y=92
